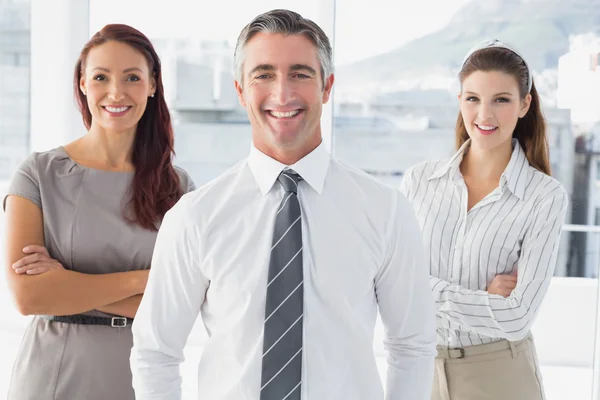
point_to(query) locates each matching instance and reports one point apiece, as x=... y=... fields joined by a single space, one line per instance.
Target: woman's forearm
x=64 y=292
x=125 y=308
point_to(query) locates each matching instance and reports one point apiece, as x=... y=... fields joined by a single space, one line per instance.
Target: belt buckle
x=118 y=322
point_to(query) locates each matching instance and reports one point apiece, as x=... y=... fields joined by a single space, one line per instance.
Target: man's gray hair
x=285 y=22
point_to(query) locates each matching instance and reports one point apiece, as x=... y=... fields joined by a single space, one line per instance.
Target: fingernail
x=26 y=248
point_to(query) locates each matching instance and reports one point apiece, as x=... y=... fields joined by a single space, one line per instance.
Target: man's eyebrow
x=262 y=67
x=303 y=67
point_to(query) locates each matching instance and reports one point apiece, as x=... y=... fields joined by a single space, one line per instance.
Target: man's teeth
x=486 y=127
x=287 y=114
x=115 y=109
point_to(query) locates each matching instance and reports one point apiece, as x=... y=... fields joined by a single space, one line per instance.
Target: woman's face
x=117 y=82
x=491 y=105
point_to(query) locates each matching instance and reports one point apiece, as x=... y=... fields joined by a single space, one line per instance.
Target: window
x=14 y=84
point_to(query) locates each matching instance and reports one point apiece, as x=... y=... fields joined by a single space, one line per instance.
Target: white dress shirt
x=362 y=249
x=514 y=228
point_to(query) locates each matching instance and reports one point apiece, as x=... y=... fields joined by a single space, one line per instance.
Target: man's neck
x=289 y=156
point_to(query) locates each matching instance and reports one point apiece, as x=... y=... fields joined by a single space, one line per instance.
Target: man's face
x=283 y=92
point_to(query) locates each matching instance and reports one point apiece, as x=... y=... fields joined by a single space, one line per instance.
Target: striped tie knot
x=289 y=180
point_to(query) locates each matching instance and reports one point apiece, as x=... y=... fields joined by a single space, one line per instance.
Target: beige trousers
x=496 y=371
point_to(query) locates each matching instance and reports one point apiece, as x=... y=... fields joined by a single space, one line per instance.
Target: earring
x=152 y=95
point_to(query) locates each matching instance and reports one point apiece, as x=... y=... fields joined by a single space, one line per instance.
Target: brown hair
x=156 y=186
x=531 y=129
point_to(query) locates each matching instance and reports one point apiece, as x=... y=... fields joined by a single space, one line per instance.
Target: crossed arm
x=509 y=306
x=48 y=288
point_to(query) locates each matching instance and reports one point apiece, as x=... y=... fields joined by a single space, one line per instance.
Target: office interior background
x=394 y=104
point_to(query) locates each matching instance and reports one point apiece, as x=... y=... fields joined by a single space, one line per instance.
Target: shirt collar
x=515 y=176
x=312 y=168
x=454 y=162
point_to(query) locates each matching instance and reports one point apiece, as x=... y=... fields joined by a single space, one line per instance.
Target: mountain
x=540 y=29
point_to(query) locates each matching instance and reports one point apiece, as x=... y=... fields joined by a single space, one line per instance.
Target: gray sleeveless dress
x=85 y=230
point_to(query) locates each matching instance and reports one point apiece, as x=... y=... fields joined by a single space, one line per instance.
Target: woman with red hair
x=82 y=221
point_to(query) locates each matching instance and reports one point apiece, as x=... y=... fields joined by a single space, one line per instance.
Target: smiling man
x=283 y=87
x=288 y=255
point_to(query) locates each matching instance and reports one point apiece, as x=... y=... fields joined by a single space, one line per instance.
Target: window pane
x=14 y=84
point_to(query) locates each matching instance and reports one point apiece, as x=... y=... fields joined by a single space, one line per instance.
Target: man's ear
x=327 y=88
x=240 y=92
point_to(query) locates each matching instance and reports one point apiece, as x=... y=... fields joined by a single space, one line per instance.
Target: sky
x=362 y=28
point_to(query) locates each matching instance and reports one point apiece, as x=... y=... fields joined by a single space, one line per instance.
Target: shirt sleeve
x=25 y=182
x=171 y=303
x=407 y=310
x=510 y=318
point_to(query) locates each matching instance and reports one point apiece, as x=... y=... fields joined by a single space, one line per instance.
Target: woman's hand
x=36 y=262
x=503 y=284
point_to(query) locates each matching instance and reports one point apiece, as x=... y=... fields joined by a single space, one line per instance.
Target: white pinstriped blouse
x=517 y=226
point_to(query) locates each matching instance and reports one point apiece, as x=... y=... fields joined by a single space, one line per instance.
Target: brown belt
x=458 y=353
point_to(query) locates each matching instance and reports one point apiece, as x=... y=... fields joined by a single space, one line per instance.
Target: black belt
x=115 y=322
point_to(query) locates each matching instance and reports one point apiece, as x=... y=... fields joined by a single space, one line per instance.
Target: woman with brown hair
x=82 y=220
x=491 y=219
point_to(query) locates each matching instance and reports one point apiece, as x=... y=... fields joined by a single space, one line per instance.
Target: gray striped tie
x=282 y=345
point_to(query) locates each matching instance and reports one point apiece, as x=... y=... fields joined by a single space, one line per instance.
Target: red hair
x=156 y=186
